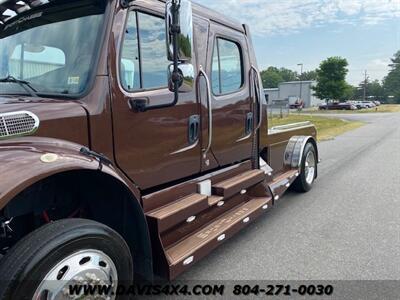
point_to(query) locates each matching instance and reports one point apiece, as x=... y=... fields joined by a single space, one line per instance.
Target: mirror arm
x=175 y=30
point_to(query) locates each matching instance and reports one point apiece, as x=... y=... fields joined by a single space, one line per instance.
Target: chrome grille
x=18 y=123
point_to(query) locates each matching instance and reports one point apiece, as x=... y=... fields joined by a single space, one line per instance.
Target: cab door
x=231 y=102
x=161 y=145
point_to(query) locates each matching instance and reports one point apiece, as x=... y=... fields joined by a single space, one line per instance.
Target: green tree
x=392 y=80
x=375 y=89
x=288 y=75
x=271 y=77
x=349 y=93
x=308 y=75
x=331 y=79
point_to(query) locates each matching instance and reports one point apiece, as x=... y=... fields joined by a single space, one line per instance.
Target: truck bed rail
x=292 y=126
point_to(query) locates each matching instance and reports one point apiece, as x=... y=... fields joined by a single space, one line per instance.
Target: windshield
x=54 y=52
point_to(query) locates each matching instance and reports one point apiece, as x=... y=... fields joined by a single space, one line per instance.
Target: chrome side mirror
x=183 y=27
x=186 y=81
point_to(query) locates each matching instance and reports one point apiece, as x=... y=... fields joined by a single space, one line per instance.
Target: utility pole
x=301 y=80
x=365 y=85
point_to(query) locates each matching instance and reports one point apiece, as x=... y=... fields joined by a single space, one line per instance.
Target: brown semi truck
x=133 y=141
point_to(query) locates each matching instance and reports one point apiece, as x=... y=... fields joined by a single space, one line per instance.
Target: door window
x=144 y=63
x=227 y=67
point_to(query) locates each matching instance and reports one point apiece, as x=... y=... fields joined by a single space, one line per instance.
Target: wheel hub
x=83 y=268
x=310 y=167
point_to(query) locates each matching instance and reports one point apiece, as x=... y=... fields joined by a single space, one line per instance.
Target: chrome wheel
x=309 y=167
x=86 y=267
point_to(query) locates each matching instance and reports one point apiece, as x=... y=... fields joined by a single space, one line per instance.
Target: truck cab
x=134 y=134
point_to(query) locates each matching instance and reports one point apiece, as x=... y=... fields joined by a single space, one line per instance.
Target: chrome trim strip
x=291 y=126
x=244 y=138
x=186 y=148
x=259 y=98
x=210 y=116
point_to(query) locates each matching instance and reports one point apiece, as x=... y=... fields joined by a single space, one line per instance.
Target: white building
x=293 y=91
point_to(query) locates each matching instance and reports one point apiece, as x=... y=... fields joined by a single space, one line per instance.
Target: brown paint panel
x=278 y=141
x=98 y=106
x=168 y=195
x=152 y=147
x=21 y=161
x=229 y=111
x=65 y=120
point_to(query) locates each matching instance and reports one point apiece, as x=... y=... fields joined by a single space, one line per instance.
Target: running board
x=187 y=209
x=191 y=249
x=185 y=225
x=239 y=183
x=182 y=209
x=282 y=182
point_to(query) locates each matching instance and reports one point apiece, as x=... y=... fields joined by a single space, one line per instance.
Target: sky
x=289 y=32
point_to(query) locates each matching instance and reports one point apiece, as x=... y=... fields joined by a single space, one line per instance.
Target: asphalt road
x=347 y=227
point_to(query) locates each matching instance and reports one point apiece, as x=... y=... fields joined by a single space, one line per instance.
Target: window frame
x=136 y=11
x=242 y=65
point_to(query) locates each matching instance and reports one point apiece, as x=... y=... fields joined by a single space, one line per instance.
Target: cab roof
x=9 y=9
x=216 y=17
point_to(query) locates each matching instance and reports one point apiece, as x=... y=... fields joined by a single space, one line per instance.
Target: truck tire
x=304 y=182
x=70 y=251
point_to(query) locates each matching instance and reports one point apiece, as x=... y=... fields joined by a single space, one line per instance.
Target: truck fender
x=295 y=148
x=26 y=161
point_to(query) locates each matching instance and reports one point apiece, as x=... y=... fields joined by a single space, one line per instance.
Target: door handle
x=249 y=123
x=194 y=128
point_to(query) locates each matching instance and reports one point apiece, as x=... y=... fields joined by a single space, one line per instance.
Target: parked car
x=299 y=104
x=355 y=103
x=377 y=103
x=368 y=104
x=338 y=106
x=361 y=104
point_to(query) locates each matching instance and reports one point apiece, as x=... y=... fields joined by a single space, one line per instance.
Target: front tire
x=309 y=164
x=62 y=253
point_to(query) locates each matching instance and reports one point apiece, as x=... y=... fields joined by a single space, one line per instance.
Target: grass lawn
x=384 y=108
x=327 y=128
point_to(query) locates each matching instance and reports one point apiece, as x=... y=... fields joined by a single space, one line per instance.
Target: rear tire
x=64 y=249
x=304 y=182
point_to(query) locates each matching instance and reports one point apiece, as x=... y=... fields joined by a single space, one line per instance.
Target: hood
x=60 y=119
